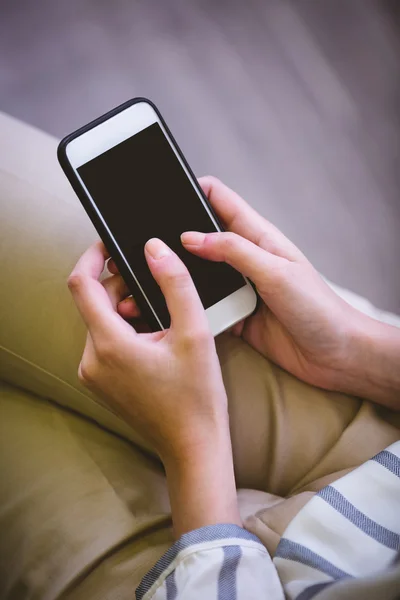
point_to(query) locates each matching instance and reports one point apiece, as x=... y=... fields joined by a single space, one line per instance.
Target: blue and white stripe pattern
x=218 y=562
x=350 y=529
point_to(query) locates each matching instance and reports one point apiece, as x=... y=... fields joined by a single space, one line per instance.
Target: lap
x=289 y=436
x=84 y=513
x=281 y=428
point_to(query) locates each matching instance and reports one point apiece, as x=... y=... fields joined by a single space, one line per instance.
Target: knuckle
x=229 y=242
x=195 y=339
x=264 y=240
x=75 y=281
x=284 y=273
x=179 y=279
x=86 y=372
x=202 y=337
x=277 y=280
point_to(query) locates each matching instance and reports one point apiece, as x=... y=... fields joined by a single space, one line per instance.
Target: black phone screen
x=142 y=191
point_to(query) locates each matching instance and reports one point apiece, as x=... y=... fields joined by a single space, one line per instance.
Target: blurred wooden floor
x=295 y=104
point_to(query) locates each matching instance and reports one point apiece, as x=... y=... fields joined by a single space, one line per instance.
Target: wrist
x=194 y=435
x=201 y=483
x=200 y=452
x=370 y=370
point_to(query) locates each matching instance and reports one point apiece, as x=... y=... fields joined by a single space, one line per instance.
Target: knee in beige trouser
x=75 y=501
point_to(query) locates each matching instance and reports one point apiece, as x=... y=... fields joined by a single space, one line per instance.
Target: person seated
x=296 y=406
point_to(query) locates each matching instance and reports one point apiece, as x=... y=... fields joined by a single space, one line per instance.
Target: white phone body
x=111 y=132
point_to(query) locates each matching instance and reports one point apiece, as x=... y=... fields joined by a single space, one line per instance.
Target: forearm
x=373 y=370
x=201 y=484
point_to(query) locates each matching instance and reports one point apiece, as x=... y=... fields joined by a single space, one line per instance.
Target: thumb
x=257 y=264
x=184 y=305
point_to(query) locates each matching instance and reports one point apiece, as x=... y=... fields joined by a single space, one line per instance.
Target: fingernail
x=193 y=238
x=157 y=249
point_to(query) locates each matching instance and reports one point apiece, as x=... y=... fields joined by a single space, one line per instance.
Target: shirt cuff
x=200 y=539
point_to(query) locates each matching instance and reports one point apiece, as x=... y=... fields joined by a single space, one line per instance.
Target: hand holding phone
x=135 y=184
x=301 y=323
x=167 y=385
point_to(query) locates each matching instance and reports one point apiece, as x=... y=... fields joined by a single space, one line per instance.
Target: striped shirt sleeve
x=346 y=534
x=349 y=530
x=217 y=562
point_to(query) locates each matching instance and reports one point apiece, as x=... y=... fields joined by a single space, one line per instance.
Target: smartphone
x=135 y=184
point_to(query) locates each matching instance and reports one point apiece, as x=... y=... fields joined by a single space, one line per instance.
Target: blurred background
x=295 y=104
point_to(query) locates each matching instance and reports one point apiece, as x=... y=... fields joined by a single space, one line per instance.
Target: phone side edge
x=87 y=205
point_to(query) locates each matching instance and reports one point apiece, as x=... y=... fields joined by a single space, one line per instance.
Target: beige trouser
x=84 y=510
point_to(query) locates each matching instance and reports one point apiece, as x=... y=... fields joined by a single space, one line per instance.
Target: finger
x=128 y=309
x=241 y=218
x=116 y=289
x=260 y=266
x=119 y=294
x=88 y=293
x=184 y=305
x=112 y=267
x=238 y=328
